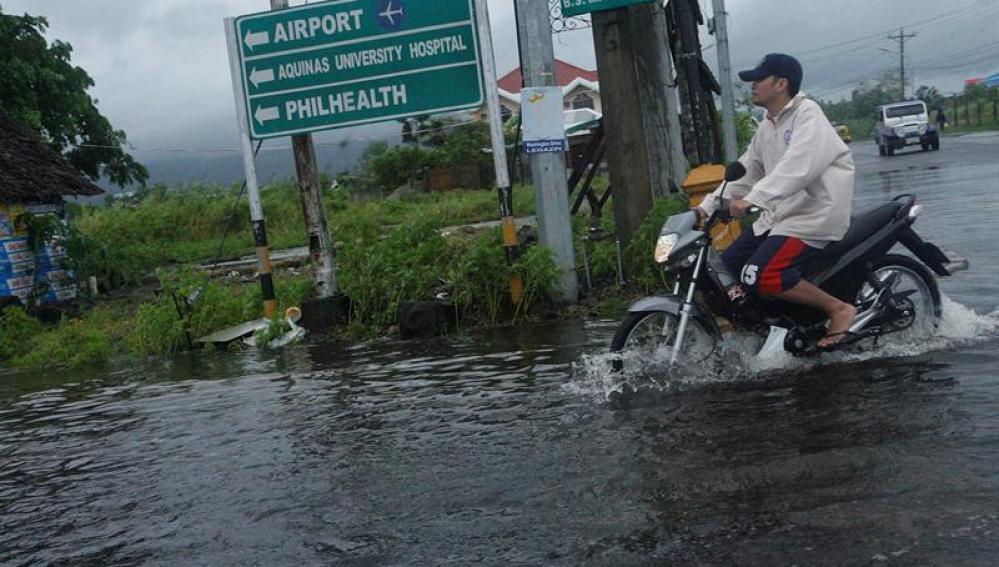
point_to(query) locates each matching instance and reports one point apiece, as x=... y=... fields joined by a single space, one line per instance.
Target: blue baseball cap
x=778 y=65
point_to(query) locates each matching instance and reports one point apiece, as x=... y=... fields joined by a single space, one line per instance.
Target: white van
x=905 y=123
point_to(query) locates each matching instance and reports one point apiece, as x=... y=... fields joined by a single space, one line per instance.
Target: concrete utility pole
x=725 y=78
x=638 y=94
x=900 y=38
x=311 y=193
x=627 y=153
x=551 y=188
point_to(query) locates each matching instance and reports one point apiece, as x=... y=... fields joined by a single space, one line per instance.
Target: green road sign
x=580 y=7
x=349 y=62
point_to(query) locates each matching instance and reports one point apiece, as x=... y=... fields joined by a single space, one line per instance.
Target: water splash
x=736 y=360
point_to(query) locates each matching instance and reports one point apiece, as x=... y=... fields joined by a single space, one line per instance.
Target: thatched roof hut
x=31 y=171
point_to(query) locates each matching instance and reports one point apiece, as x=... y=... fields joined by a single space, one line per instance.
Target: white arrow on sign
x=254 y=39
x=264 y=114
x=261 y=76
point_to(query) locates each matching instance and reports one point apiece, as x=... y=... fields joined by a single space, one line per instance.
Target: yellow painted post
x=699 y=183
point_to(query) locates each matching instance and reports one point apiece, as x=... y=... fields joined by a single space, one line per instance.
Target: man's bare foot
x=839 y=324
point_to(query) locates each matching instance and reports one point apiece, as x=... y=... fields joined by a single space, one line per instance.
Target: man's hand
x=738 y=208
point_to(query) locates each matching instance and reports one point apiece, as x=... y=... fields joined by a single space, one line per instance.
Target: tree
x=41 y=88
x=425 y=130
x=931 y=96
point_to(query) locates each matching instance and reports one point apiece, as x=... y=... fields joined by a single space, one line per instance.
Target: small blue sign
x=546 y=146
x=391 y=14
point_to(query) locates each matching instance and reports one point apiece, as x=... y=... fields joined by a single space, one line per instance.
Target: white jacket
x=799 y=172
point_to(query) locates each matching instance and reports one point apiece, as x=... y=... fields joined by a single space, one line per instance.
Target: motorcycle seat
x=862 y=225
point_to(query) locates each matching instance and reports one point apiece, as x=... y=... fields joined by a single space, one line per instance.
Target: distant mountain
x=212 y=167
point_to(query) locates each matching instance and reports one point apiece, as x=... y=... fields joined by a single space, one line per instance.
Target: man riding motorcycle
x=799 y=173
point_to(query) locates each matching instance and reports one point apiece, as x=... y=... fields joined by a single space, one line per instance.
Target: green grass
x=964 y=129
x=187 y=225
x=389 y=252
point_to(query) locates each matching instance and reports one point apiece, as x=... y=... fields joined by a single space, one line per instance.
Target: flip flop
x=848 y=335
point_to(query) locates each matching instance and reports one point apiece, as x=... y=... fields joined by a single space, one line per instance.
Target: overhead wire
x=848 y=69
x=860 y=67
x=938 y=20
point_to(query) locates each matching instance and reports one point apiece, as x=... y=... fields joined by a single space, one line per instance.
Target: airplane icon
x=390 y=14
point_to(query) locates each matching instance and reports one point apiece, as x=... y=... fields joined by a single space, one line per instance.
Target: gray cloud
x=162 y=73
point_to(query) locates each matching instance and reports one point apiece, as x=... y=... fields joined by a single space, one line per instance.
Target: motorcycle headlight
x=664 y=246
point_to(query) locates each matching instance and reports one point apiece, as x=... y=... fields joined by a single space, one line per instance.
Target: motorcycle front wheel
x=652 y=334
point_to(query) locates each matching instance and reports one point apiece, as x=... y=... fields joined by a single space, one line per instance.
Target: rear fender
x=927 y=252
x=673 y=304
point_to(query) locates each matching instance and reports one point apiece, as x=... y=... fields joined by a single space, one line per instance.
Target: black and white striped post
x=250 y=169
x=509 y=228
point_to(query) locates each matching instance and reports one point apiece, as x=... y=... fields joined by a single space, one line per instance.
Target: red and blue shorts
x=768 y=264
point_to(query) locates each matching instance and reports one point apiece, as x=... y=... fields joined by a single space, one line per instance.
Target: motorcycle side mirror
x=734 y=171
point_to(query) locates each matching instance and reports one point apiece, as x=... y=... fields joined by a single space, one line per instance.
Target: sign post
x=351 y=62
x=252 y=188
x=580 y=7
x=511 y=244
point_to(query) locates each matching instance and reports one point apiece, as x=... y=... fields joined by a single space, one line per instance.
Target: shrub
x=159 y=327
x=378 y=273
x=640 y=267
x=17 y=332
x=72 y=343
x=26 y=342
x=480 y=277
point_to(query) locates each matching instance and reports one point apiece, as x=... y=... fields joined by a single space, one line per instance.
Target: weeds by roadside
x=389 y=251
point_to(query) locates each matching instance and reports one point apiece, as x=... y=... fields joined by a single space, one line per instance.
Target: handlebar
x=722 y=214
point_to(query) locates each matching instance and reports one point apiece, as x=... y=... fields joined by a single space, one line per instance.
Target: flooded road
x=505 y=448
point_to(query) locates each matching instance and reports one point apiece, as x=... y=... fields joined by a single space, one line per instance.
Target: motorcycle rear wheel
x=652 y=335
x=915 y=278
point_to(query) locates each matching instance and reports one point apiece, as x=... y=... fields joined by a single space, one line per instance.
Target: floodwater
x=510 y=447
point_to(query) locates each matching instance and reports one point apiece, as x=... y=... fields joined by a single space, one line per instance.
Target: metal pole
x=725 y=78
x=509 y=227
x=250 y=169
x=551 y=188
x=311 y=194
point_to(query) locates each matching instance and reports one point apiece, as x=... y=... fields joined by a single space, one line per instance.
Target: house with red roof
x=580 y=89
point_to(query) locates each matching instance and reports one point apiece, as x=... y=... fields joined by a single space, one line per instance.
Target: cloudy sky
x=162 y=73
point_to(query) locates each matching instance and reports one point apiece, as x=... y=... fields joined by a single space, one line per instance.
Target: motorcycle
x=893 y=293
